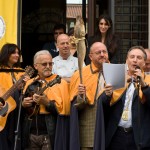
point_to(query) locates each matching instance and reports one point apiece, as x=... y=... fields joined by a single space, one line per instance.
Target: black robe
x=62 y=133
x=7 y=135
x=99 y=139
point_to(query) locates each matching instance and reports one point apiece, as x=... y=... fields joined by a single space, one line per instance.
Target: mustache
x=107 y=60
x=47 y=69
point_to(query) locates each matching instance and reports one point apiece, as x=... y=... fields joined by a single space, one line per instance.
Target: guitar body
x=9 y=106
x=36 y=88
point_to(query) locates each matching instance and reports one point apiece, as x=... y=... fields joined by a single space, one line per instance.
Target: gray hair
x=140 y=48
x=41 y=52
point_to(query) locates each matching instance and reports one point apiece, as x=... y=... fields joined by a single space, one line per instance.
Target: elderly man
x=44 y=100
x=128 y=121
x=147 y=64
x=65 y=64
x=84 y=99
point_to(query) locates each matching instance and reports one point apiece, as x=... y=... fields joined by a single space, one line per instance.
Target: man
x=128 y=121
x=84 y=99
x=51 y=46
x=39 y=126
x=65 y=64
x=147 y=64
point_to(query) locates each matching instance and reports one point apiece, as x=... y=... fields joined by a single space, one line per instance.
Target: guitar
x=8 y=102
x=34 y=109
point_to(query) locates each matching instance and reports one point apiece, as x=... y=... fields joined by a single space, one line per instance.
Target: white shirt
x=128 y=103
x=100 y=85
x=147 y=73
x=65 y=68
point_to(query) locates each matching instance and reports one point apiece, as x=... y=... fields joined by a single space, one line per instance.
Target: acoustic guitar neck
x=12 y=89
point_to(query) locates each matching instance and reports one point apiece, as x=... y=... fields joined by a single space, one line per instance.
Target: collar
x=93 y=68
x=48 y=78
x=69 y=57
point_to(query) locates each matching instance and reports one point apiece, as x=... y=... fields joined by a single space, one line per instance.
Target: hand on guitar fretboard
x=33 y=103
x=9 y=103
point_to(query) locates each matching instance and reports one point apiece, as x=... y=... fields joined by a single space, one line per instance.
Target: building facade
x=130 y=19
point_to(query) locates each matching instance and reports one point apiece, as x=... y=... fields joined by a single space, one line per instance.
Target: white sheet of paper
x=115 y=74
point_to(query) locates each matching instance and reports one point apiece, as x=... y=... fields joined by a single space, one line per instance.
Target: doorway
x=38 y=20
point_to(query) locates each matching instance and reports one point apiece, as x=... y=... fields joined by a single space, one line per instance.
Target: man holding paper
x=84 y=99
x=128 y=123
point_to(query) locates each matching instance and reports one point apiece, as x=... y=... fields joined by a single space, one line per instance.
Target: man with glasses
x=43 y=107
x=127 y=109
x=83 y=98
x=51 y=46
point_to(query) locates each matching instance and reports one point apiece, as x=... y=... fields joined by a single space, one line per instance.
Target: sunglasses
x=46 y=63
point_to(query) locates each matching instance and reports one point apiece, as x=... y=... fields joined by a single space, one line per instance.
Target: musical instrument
x=34 y=109
x=8 y=102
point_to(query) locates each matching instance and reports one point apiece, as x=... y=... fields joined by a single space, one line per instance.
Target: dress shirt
x=128 y=103
x=147 y=73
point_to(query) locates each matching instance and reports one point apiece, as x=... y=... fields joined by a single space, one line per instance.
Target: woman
x=105 y=35
x=10 y=72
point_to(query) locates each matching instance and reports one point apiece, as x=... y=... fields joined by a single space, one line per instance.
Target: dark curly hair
x=140 y=48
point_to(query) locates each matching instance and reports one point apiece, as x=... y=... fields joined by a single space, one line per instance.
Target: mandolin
x=34 y=109
x=8 y=102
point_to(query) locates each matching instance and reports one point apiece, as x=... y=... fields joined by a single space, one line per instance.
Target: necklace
x=125 y=114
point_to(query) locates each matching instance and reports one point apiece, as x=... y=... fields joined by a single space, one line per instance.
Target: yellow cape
x=90 y=79
x=6 y=78
x=59 y=93
x=118 y=93
x=5 y=84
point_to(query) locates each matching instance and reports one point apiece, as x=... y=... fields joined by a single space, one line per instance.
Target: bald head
x=63 y=45
x=98 y=54
x=147 y=64
x=147 y=51
x=97 y=44
x=61 y=37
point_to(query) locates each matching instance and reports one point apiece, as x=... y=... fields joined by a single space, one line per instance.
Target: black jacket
x=50 y=119
x=144 y=113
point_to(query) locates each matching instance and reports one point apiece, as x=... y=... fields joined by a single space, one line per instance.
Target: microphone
x=138 y=77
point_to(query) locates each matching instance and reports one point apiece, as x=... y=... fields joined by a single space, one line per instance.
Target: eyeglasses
x=46 y=63
x=99 y=52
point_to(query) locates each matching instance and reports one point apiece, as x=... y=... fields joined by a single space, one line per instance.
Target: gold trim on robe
x=59 y=93
x=118 y=93
x=90 y=80
x=6 y=83
x=6 y=79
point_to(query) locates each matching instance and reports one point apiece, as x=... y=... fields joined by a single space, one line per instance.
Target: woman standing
x=10 y=72
x=105 y=35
